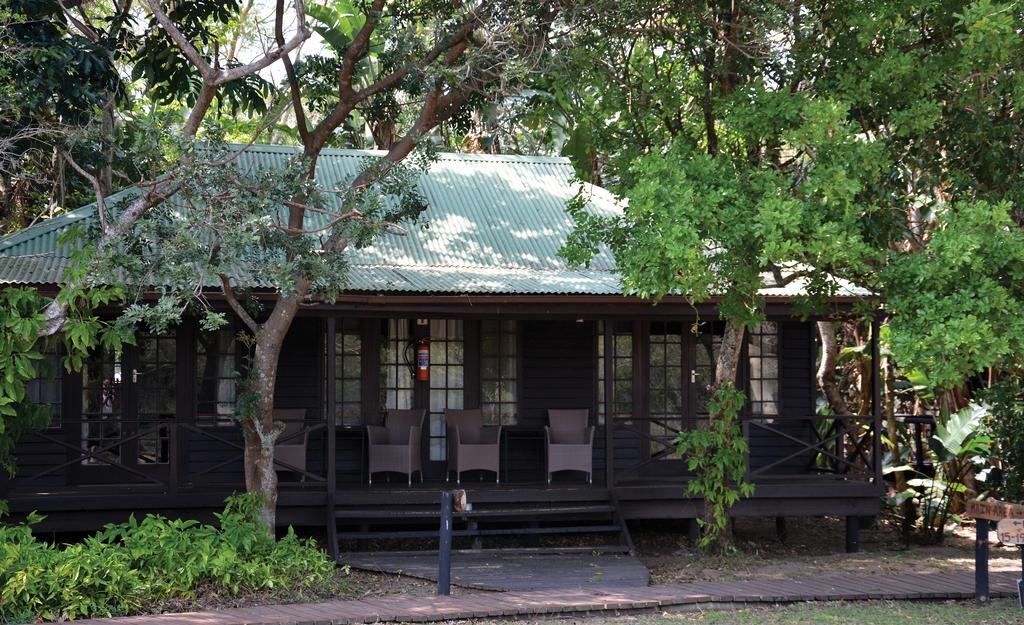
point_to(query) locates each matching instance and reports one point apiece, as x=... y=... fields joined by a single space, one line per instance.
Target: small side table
x=519 y=435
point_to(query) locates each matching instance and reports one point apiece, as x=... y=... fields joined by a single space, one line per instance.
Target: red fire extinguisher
x=423 y=359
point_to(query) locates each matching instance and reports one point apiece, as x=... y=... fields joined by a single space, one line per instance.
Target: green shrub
x=717 y=455
x=131 y=565
x=1006 y=425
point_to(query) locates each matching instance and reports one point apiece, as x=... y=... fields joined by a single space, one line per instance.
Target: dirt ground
x=814 y=546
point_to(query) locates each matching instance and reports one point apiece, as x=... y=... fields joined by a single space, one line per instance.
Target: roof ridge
x=466 y=266
x=452 y=156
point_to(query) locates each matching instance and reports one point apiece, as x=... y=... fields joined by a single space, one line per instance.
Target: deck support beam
x=693 y=532
x=780 y=528
x=852 y=534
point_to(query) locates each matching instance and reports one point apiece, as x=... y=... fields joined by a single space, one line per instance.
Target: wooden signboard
x=994 y=510
x=1011 y=531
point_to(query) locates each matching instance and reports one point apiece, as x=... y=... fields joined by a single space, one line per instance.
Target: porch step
x=544 y=525
x=514 y=531
x=498 y=513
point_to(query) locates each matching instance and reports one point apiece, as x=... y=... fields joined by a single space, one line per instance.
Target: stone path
x=518 y=572
x=705 y=595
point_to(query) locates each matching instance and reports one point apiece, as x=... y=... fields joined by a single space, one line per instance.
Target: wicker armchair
x=471 y=444
x=395 y=446
x=569 y=440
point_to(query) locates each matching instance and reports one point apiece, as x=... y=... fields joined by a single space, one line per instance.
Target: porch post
x=184 y=404
x=331 y=405
x=876 y=400
x=609 y=403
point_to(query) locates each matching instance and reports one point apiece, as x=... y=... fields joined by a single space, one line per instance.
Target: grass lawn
x=1000 y=612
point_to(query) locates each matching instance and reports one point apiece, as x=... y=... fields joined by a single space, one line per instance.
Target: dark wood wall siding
x=34 y=456
x=300 y=382
x=556 y=371
x=797 y=394
x=557 y=365
x=299 y=385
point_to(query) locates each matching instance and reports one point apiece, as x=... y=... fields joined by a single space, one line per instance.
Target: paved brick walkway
x=935 y=586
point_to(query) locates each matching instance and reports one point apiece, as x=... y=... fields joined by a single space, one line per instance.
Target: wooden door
x=128 y=406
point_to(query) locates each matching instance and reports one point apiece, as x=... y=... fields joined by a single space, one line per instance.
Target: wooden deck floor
x=518 y=572
x=676 y=597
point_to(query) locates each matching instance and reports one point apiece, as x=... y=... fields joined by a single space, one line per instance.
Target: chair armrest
x=415 y=435
x=547 y=434
x=376 y=434
x=590 y=435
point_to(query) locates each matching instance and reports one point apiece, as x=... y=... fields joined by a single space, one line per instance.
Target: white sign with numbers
x=1011 y=531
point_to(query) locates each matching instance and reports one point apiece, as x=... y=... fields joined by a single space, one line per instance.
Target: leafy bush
x=958 y=450
x=717 y=454
x=132 y=565
x=1006 y=425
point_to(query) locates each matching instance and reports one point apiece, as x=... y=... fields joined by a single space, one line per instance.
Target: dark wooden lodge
x=511 y=330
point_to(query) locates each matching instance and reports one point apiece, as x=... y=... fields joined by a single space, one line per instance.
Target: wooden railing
x=118 y=459
x=840 y=446
x=783 y=446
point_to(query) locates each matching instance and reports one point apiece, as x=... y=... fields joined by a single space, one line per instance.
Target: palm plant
x=958 y=451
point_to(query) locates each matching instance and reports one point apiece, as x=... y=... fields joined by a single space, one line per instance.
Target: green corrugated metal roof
x=495 y=225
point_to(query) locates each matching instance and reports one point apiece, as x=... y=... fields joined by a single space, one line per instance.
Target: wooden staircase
x=592 y=525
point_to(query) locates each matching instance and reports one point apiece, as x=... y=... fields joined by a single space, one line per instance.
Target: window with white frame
x=348 y=372
x=447 y=379
x=666 y=395
x=498 y=372
x=763 y=363
x=216 y=377
x=396 y=384
x=622 y=370
x=46 y=388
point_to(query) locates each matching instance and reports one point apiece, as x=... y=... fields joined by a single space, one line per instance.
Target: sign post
x=1010 y=529
x=451 y=502
x=1011 y=532
x=981 y=561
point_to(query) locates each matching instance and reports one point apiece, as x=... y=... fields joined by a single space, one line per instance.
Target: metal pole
x=981 y=562
x=444 y=556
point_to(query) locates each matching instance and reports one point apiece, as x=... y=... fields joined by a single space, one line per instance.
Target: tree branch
x=293 y=79
x=101 y=206
x=190 y=52
x=302 y=33
x=355 y=50
x=216 y=77
x=229 y=295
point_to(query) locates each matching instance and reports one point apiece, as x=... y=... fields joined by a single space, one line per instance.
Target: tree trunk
x=727 y=367
x=728 y=362
x=260 y=430
x=827 y=369
x=889 y=406
x=106 y=175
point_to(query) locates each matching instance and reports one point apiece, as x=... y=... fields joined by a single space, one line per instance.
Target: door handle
x=693 y=376
x=135 y=376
